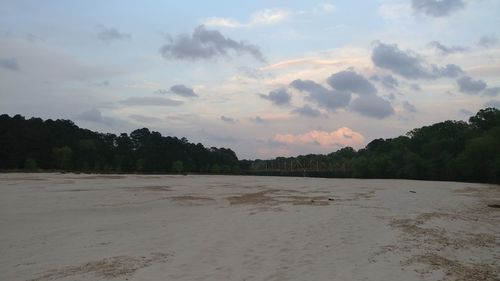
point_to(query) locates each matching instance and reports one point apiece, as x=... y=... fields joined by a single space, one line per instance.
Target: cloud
x=415 y=87
x=307 y=111
x=465 y=112
x=328 y=99
x=493 y=103
x=437 y=8
x=470 y=86
x=394 y=11
x=408 y=64
x=10 y=64
x=206 y=44
x=409 y=107
x=259 y=18
x=444 y=50
x=278 y=97
x=343 y=137
x=492 y=91
x=258 y=120
x=227 y=119
x=95 y=116
x=182 y=90
x=144 y=119
x=108 y=35
x=372 y=106
x=488 y=41
x=350 y=81
x=387 y=81
x=151 y=101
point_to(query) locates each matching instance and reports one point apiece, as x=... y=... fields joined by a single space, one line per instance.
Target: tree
x=177 y=167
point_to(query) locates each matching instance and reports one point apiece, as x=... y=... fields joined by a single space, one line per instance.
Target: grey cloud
x=391 y=96
x=144 y=119
x=227 y=119
x=307 y=111
x=415 y=87
x=492 y=91
x=103 y=83
x=444 y=50
x=10 y=64
x=278 y=97
x=372 y=106
x=161 y=92
x=258 y=120
x=253 y=73
x=182 y=90
x=151 y=101
x=488 y=41
x=493 y=103
x=408 y=64
x=205 y=44
x=95 y=116
x=450 y=70
x=109 y=35
x=329 y=99
x=465 y=112
x=437 y=8
x=470 y=86
x=409 y=107
x=351 y=81
x=387 y=81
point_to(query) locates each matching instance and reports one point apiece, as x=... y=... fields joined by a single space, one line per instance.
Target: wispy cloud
x=259 y=18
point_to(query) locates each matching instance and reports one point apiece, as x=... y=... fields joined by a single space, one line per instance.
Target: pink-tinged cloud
x=341 y=137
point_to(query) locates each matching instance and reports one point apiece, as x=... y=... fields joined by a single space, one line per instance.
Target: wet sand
x=136 y=227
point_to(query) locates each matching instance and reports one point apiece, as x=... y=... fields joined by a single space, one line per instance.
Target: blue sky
x=265 y=78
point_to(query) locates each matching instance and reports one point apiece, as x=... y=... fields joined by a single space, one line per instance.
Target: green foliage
x=33 y=143
x=177 y=167
x=30 y=164
x=63 y=157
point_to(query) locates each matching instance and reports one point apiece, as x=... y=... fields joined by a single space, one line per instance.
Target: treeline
x=450 y=150
x=34 y=144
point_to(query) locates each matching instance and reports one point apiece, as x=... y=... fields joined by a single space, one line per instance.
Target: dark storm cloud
x=350 y=81
x=9 y=63
x=437 y=8
x=205 y=44
x=182 y=90
x=444 y=50
x=109 y=35
x=488 y=41
x=409 y=107
x=494 y=91
x=372 y=106
x=227 y=119
x=470 y=86
x=151 y=101
x=329 y=99
x=307 y=111
x=408 y=64
x=278 y=97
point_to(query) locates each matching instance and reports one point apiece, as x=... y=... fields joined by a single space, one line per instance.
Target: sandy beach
x=138 y=227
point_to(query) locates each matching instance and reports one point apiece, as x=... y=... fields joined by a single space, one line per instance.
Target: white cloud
x=259 y=18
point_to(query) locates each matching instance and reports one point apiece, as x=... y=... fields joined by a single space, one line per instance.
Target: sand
x=134 y=227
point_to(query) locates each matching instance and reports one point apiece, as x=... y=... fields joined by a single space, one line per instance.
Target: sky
x=264 y=78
